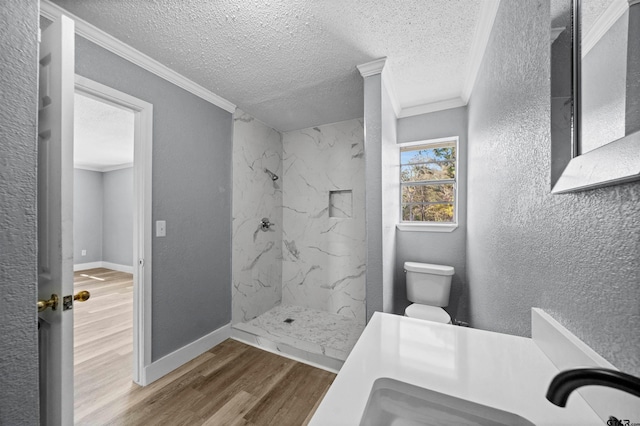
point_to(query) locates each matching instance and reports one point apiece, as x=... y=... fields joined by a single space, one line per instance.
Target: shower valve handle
x=265 y=224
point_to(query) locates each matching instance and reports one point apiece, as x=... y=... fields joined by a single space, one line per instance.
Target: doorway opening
x=103 y=249
x=112 y=242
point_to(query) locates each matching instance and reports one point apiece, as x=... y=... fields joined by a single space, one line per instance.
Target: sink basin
x=395 y=403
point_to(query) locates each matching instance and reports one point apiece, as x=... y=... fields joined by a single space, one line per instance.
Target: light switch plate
x=161 y=228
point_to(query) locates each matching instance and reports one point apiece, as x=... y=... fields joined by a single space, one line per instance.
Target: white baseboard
x=89 y=265
x=117 y=267
x=177 y=358
x=101 y=264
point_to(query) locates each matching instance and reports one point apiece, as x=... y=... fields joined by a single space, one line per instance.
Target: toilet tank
x=428 y=284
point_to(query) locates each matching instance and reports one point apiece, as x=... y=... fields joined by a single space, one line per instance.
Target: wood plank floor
x=231 y=384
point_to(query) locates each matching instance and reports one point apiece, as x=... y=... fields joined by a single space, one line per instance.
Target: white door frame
x=142 y=161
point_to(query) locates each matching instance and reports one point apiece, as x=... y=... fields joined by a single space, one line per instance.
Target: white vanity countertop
x=506 y=372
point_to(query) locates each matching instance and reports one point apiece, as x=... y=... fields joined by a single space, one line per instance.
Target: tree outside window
x=428 y=182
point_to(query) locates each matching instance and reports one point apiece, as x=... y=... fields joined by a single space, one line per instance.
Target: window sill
x=427 y=227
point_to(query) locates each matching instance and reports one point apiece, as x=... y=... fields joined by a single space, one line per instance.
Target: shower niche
x=341 y=203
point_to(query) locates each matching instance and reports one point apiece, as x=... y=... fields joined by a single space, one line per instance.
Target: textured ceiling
x=591 y=11
x=103 y=134
x=292 y=63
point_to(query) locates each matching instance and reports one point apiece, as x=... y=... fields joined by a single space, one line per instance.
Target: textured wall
x=87 y=215
x=256 y=255
x=117 y=224
x=18 y=262
x=576 y=255
x=323 y=264
x=192 y=151
x=442 y=248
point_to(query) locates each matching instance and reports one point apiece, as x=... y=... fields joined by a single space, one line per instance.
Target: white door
x=55 y=221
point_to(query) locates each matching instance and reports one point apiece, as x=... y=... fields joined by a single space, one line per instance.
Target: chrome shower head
x=273 y=176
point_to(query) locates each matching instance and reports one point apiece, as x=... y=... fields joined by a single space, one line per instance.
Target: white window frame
x=431 y=226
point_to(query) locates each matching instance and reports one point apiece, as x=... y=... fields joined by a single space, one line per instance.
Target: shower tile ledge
x=316 y=337
x=311 y=347
x=276 y=345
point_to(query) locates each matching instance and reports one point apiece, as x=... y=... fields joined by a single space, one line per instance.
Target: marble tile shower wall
x=323 y=265
x=256 y=255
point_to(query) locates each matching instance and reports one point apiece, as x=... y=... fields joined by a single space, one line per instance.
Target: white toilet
x=428 y=288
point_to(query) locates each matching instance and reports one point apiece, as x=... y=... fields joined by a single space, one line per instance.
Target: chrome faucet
x=567 y=381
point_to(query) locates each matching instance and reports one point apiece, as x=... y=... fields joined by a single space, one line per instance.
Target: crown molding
x=372 y=68
x=483 y=29
x=118 y=167
x=380 y=66
x=84 y=29
x=616 y=9
x=88 y=168
x=432 y=107
x=479 y=46
x=102 y=169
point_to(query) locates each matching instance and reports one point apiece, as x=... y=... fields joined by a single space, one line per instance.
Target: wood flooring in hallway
x=231 y=384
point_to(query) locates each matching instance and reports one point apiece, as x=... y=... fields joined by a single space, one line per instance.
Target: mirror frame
x=611 y=164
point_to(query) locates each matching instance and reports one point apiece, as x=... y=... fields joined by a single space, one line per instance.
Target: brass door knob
x=51 y=303
x=82 y=296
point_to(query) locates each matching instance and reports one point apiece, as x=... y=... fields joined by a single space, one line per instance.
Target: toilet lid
x=429 y=313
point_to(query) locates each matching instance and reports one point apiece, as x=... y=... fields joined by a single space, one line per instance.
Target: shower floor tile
x=313 y=335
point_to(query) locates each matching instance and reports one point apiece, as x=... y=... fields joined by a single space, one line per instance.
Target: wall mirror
x=595 y=93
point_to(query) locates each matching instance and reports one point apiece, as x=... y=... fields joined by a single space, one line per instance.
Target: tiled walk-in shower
x=309 y=264
x=311 y=335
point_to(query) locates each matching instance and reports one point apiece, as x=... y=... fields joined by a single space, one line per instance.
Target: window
x=428 y=181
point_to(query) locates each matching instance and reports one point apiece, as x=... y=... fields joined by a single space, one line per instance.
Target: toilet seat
x=429 y=313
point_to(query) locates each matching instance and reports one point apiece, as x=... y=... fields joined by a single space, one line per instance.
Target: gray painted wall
x=103 y=216
x=390 y=189
x=373 y=192
x=446 y=248
x=87 y=215
x=18 y=250
x=117 y=224
x=192 y=152
x=382 y=199
x=576 y=255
